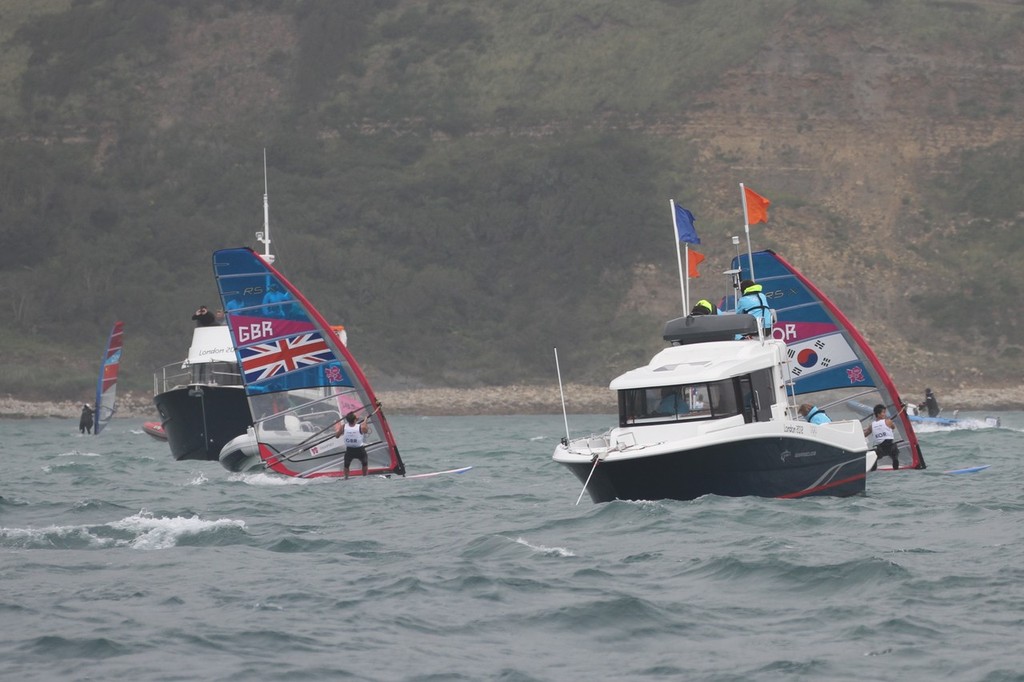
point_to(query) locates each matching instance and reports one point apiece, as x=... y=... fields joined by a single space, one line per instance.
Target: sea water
x=118 y=563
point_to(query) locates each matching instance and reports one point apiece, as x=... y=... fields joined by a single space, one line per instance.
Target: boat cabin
x=707 y=375
x=751 y=395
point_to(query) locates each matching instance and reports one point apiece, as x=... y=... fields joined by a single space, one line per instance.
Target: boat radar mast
x=264 y=236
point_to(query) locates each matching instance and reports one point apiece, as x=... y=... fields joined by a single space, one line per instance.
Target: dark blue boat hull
x=200 y=420
x=763 y=467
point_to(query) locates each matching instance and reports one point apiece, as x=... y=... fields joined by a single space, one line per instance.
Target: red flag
x=757 y=207
x=694 y=259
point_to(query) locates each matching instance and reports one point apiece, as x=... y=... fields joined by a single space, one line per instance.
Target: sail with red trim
x=106 y=385
x=300 y=379
x=828 y=356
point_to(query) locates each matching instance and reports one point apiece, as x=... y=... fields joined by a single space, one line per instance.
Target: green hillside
x=467 y=185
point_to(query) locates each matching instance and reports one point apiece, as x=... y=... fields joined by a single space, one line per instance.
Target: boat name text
x=215 y=351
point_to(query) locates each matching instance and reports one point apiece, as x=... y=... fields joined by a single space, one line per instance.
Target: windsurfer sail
x=300 y=380
x=106 y=385
x=826 y=351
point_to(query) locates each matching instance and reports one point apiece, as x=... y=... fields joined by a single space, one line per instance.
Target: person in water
x=354 y=436
x=203 y=317
x=931 y=403
x=704 y=307
x=754 y=302
x=85 y=421
x=813 y=414
x=882 y=430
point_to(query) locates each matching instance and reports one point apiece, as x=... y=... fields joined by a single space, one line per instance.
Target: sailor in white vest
x=882 y=429
x=353 y=435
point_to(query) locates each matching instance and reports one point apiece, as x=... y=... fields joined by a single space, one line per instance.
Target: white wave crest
x=550 y=551
x=163 y=532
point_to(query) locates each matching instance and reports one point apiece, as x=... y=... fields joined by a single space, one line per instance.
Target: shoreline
x=493 y=400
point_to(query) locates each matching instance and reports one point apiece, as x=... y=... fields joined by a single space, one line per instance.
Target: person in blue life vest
x=274 y=302
x=882 y=430
x=813 y=414
x=704 y=307
x=754 y=302
x=671 y=403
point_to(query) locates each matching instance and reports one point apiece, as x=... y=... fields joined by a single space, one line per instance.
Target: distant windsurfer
x=882 y=429
x=85 y=421
x=931 y=403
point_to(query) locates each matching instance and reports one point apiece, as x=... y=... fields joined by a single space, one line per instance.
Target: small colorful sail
x=299 y=378
x=826 y=351
x=106 y=385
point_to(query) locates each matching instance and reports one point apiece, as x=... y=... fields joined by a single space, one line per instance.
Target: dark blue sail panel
x=278 y=344
x=826 y=351
x=822 y=353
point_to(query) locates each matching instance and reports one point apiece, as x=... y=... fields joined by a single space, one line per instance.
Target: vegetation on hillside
x=464 y=185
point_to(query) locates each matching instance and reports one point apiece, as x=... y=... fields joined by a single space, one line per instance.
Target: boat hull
x=763 y=467
x=199 y=420
x=156 y=430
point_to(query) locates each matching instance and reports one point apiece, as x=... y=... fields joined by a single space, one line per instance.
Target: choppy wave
x=127 y=565
x=139 y=531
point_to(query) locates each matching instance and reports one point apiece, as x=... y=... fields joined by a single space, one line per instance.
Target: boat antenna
x=565 y=441
x=264 y=236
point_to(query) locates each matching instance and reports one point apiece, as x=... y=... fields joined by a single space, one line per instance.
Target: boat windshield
x=680 y=403
x=216 y=373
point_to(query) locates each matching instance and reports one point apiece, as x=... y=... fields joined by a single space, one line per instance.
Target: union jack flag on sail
x=264 y=360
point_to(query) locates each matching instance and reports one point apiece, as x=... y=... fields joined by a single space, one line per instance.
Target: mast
x=264 y=236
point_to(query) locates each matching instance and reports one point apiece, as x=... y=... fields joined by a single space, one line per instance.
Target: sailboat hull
x=199 y=420
x=763 y=467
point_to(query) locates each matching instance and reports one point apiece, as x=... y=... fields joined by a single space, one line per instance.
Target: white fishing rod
x=561 y=393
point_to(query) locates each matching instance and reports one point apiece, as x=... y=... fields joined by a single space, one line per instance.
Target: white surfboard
x=431 y=474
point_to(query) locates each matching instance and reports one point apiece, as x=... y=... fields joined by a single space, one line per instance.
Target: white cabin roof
x=702 y=362
x=211 y=344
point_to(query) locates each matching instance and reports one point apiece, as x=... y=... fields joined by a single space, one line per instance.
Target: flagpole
x=686 y=295
x=746 y=229
x=679 y=258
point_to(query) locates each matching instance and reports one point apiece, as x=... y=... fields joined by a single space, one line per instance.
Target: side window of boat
x=763 y=395
x=745 y=392
x=688 y=402
x=722 y=399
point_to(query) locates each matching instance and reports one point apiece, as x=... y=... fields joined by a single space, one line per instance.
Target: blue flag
x=684 y=226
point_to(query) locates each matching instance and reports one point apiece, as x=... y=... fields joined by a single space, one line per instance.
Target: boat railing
x=177 y=375
x=590 y=444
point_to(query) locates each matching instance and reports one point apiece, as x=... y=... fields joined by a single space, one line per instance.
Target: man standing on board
x=882 y=429
x=354 y=436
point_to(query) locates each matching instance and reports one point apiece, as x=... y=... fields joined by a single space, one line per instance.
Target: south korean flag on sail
x=815 y=355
